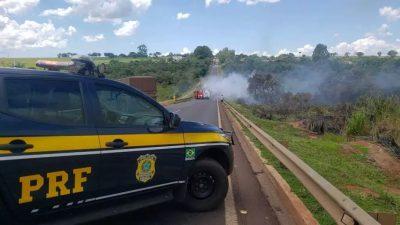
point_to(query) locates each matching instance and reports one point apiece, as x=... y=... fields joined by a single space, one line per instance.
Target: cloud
x=58 y=12
x=141 y=4
x=93 y=38
x=95 y=11
x=336 y=35
x=390 y=13
x=282 y=51
x=71 y=30
x=258 y=53
x=16 y=6
x=209 y=2
x=31 y=34
x=182 y=16
x=185 y=51
x=247 y=2
x=305 y=50
x=369 y=45
x=384 y=30
x=127 y=28
x=254 y=2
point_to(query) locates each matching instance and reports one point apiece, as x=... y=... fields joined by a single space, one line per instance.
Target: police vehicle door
x=139 y=152
x=48 y=148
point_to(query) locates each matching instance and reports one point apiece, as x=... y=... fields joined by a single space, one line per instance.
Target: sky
x=44 y=28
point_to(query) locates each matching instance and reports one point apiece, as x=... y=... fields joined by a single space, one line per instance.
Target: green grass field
x=352 y=173
x=30 y=62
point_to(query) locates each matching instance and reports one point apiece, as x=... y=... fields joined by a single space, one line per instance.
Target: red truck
x=198 y=94
x=201 y=94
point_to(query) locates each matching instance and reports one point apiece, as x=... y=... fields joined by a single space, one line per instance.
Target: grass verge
x=351 y=172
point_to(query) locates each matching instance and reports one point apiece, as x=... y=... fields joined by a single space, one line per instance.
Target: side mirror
x=102 y=68
x=174 y=120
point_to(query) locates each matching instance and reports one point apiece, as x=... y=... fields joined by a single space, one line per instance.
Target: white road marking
x=219 y=116
x=231 y=217
x=56 y=206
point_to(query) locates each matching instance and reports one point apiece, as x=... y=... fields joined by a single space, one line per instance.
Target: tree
x=320 y=53
x=347 y=54
x=109 y=55
x=94 y=54
x=142 y=51
x=359 y=54
x=133 y=55
x=379 y=53
x=226 y=55
x=392 y=53
x=265 y=88
x=203 y=52
x=157 y=54
x=122 y=55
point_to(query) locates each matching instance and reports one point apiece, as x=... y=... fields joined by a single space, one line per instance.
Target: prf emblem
x=146 y=167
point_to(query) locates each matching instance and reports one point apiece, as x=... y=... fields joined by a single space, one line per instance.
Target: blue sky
x=31 y=28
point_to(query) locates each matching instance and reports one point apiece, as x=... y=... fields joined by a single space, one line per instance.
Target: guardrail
x=341 y=208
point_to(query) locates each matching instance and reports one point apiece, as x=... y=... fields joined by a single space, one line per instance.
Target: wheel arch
x=218 y=155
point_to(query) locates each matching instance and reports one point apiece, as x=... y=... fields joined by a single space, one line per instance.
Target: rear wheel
x=207 y=186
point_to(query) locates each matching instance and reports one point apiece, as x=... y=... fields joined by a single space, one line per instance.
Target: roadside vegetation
x=346 y=164
x=340 y=114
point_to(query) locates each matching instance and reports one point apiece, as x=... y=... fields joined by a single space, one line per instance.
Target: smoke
x=232 y=86
x=328 y=83
x=387 y=81
x=303 y=79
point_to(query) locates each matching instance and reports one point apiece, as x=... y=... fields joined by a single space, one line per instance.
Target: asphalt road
x=244 y=204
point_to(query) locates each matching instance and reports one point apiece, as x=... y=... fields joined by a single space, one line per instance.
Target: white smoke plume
x=232 y=86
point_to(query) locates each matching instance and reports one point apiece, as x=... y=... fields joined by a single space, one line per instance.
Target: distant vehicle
x=146 y=84
x=201 y=94
x=74 y=148
x=198 y=94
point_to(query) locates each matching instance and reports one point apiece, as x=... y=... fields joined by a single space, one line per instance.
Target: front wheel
x=207 y=186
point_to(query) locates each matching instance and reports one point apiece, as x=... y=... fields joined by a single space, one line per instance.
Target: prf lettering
x=56 y=184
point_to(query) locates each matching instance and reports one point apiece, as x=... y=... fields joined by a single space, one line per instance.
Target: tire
x=207 y=186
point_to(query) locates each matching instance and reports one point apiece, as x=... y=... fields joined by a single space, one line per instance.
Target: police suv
x=76 y=147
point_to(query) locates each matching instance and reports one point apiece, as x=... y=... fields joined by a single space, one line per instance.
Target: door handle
x=117 y=143
x=16 y=146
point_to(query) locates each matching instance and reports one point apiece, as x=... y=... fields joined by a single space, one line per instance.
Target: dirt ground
x=301 y=126
x=381 y=157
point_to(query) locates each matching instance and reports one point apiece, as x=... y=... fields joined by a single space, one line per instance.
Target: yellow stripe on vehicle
x=45 y=144
x=55 y=143
x=191 y=138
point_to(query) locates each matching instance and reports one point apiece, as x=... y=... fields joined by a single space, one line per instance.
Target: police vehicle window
x=48 y=101
x=120 y=108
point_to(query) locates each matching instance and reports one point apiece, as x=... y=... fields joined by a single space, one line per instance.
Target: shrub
x=357 y=124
